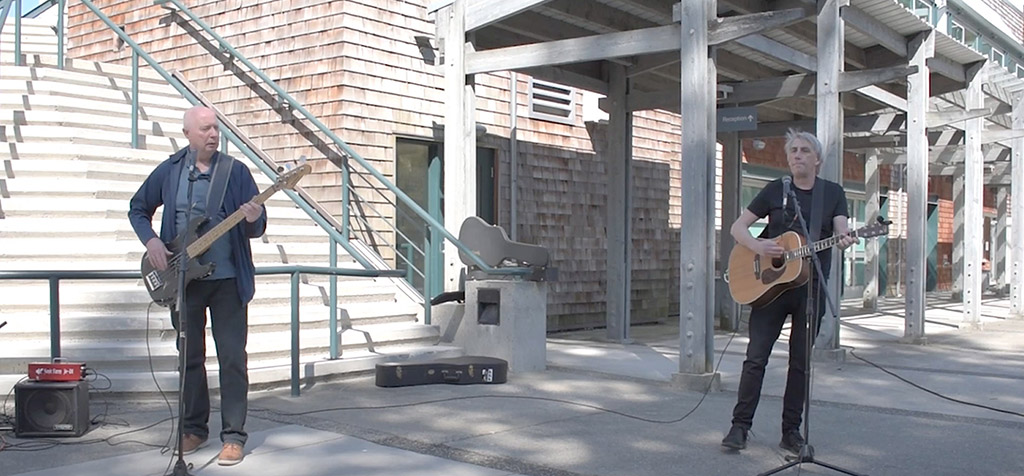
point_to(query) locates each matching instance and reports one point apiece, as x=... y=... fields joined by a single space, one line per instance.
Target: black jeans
x=229 y=320
x=765 y=326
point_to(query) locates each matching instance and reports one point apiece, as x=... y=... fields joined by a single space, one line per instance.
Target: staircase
x=68 y=171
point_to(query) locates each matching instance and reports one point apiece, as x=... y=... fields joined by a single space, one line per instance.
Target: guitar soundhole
x=778 y=262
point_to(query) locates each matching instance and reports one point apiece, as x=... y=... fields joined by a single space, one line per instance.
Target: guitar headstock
x=876 y=229
x=287 y=180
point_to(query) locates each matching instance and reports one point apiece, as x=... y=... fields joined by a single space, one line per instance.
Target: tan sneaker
x=190 y=444
x=231 y=454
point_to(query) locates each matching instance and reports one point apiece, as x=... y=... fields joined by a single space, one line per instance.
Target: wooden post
x=920 y=49
x=830 y=133
x=958 y=238
x=732 y=187
x=999 y=259
x=459 y=136
x=871 y=247
x=1016 y=274
x=695 y=310
x=619 y=157
x=974 y=192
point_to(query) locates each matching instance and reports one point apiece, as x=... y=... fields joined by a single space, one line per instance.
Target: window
x=1020 y=71
x=996 y=56
x=552 y=102
x=921 y=8
x=962 y=34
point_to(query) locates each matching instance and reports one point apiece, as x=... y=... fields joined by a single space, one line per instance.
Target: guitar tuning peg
x=302 y=159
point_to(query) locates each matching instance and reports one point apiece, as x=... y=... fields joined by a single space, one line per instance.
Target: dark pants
x=229 y=320
x=765 y=325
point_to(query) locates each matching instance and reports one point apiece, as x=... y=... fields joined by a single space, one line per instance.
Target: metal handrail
x=226 y=47
x=55 y=276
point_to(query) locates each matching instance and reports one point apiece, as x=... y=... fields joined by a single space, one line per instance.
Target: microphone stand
x=806 y=454
x=180 y=466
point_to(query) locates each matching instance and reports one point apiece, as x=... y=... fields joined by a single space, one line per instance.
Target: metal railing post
x=17 y=33
x=346 y=180
x=295 y=333
x=333 y=320
x=60 y=34
x=54 y=318
x=135 y=99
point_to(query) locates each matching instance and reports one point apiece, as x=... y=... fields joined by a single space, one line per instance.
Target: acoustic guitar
x=163 y=285
x=757 y=280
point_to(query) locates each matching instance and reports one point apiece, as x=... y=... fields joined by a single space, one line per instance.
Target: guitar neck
x=204 y=242
x=821 y=245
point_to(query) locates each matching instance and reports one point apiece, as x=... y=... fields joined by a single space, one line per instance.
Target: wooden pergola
x=867 y=76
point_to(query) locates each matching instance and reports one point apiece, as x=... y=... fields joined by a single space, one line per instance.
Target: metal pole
x=135 y=99
x=60 y=34
x=54 y=318
x=333 y=320
x=346 y=180
x=295 y=333
x=17 y=33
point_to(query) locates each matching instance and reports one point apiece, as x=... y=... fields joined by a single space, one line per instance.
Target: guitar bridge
x=153 y=281
x=757 y=267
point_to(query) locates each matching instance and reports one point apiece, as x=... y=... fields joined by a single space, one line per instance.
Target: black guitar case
x=459 y=371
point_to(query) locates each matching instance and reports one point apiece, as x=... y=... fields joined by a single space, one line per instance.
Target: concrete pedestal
x=500 y=318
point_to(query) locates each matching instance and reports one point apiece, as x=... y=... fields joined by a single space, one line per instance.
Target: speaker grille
x=51 y=408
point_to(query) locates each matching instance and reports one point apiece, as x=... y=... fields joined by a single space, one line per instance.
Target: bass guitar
x=163 y=285
x=757 y=280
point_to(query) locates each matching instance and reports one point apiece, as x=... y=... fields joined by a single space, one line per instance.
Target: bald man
x=220 y=186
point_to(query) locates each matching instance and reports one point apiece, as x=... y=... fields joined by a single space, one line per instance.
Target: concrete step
x=71 y=92
x=72 y=136
x=262 y=374
x=26 y=75
x=86 y=249
x=83 y=152
x=48 y=59
x=119 y=109
x=260 y=345
x=119 y=229
x=31 y=323
x=100 y=121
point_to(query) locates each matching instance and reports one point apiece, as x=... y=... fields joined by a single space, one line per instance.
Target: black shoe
x=736 y=438
x=792 y=441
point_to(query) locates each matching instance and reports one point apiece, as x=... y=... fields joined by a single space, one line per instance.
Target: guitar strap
x=218 y=184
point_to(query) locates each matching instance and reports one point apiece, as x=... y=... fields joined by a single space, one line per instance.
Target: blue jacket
x=161 y=188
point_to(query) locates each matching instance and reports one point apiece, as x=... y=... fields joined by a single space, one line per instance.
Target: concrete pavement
x=605 y=408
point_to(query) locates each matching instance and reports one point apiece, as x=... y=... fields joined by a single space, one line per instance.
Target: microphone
x=785 y=192
x=190 y=157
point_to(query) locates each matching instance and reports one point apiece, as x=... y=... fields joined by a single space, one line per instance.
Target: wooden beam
x=722 y=30
x=991 y=136
x=943 y=118
x=481 y=13
x=575 y=50
x=804 y=84
x=851 y=80
x=884 y=97
x=865 y=23
x=796 y=58
x=876 y=123
x=947 y=68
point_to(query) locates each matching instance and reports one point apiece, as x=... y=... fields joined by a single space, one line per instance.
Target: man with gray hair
x=803 y=155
